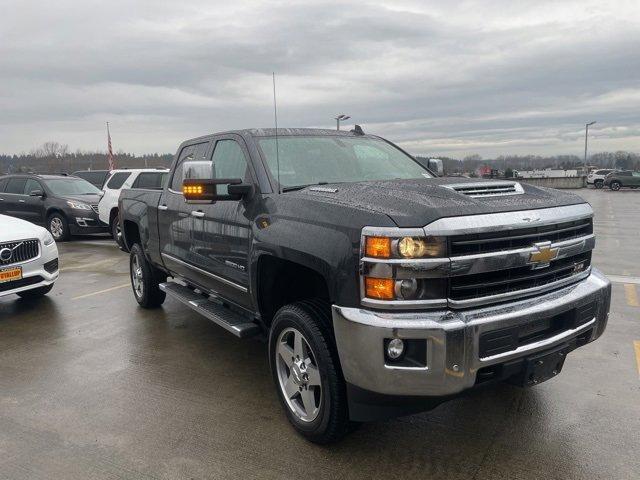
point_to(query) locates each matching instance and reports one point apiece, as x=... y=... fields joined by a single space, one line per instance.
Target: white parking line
x=101 y=291
x=623 y=279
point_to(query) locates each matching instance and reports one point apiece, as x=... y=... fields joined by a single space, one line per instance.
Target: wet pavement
x=93 y=387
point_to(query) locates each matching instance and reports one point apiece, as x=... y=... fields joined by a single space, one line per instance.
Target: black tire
x=116 y=232
x=598 y=183
x=35 y=292
x=58 y=227
x=615 y=185
x=312 y=319
x=148 y=278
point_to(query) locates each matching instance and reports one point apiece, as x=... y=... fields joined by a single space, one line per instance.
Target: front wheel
x=145 y=280
x=598 y=183
x=615 y=185
x=306 y=371
x=35 y=292
x=58 y=227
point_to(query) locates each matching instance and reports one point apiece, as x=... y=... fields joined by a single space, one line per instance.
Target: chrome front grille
x=518 y=238
x=500 y=282
x=20 y=251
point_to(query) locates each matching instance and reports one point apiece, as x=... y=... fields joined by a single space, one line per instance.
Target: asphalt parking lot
x=93 y=387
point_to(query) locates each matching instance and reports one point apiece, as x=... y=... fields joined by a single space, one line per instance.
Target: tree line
x=621 y=159
x=54 y=157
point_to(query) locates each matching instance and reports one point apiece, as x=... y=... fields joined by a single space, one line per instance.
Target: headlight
x=405 y=247
x=79 y=206
x=48 y=239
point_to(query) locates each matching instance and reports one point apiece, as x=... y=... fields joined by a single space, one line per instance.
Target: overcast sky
x=438 y=77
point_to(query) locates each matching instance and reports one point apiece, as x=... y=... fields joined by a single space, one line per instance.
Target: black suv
x=64 y=205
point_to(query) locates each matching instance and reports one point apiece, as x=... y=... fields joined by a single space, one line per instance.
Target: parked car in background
x=94 y=177
x=622 y=178
x=596 y=178
x=64 y=205
x=28 y=259
x=143 y=178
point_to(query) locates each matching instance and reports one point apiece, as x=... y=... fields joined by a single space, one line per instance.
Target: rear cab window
x=16 y=186
x=117 y=180
x=151 y=180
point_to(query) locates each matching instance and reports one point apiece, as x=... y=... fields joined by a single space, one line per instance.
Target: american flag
x=110 y=158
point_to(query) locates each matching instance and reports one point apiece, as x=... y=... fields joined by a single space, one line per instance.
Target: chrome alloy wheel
x=56 y=227
x=137 y=276
x=298 y=375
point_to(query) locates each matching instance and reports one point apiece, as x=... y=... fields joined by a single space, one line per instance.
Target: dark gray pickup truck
x=382 y=290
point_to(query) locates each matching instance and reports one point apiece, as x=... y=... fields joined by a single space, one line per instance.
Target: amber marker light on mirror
x=379 y=288
x=378 y=247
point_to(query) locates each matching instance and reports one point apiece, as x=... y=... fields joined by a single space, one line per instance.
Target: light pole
x=342 y=116
x=586 y=135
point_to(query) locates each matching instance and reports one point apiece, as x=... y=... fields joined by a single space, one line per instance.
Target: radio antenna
x=275 y=116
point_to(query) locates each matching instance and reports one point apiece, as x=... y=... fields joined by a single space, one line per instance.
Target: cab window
x=16 y=186
x=228 y=162
x=31 y=185
x=117 y=180
x=188 y=154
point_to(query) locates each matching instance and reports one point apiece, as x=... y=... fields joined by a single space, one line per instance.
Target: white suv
x=28 y=258
x=145 y=178
x=596 y=178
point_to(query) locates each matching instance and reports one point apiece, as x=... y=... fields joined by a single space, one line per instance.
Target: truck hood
x=416 y=203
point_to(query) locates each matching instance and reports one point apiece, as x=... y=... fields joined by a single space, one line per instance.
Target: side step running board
x=231 y=321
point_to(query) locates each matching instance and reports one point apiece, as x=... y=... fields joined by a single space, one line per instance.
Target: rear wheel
x=145 y=280
x=615 y=185
x=116 y=231
x=306 y=371
x=598 y=183
x=35 y=292
x=58 y=227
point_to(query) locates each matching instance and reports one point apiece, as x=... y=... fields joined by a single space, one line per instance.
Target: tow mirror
x=206 y=190
x=36 y=193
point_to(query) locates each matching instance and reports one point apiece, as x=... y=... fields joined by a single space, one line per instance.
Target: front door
x=14 y=198
x=222 y=233
x=175 y=222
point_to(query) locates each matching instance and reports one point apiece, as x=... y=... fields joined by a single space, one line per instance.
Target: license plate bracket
x=543 y=366
x=10 y=274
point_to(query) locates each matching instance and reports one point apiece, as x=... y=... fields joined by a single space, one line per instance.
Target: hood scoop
x=487 y=189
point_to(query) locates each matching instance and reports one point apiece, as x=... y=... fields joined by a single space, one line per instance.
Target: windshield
x=332 y=159
x=71 y=186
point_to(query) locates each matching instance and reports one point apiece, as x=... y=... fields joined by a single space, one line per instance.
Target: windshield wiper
x=300 y=187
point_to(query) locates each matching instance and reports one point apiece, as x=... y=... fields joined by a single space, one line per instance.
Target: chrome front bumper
x=452 y=336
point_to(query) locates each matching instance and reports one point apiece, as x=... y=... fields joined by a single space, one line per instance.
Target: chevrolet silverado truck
x=382 y=289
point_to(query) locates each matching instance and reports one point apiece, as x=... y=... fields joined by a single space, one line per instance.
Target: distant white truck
x=596 y=177
x=143 y=178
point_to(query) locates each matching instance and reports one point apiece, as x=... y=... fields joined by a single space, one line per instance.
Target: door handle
x=21 y=201
x=163 y=207
x=197 y=214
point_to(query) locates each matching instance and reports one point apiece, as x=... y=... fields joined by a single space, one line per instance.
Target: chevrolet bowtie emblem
x=543 y=255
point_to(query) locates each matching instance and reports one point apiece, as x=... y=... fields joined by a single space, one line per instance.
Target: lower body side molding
x=231 y=321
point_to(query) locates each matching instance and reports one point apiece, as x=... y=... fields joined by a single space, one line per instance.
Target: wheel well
x=113 y=214
x=281 y=282
x=53 y=210
x=131 y=233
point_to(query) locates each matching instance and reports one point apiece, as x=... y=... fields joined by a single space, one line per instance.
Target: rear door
x=221 y=230
x=3 y=184
x=174 y=215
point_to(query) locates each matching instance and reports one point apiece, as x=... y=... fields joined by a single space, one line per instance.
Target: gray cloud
x=486 y=77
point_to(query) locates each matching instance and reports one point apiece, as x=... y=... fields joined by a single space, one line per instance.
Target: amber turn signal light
x=379 y=288
x=379 y=247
